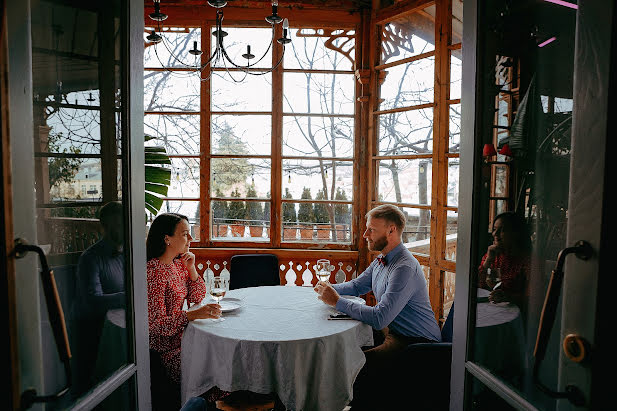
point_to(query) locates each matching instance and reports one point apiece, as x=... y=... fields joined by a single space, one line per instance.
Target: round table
x=500 y=339
x=280 y=340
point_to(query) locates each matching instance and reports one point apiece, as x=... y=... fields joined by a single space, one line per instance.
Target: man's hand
x=327 y=294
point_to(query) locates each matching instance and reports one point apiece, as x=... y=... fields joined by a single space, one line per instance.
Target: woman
x=172 y=279
x=510 y=256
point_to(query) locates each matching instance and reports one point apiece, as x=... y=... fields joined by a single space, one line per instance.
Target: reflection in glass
x=451 y=235
x=184 y=178
x=405 y=181
x=239 y=37
x=318 y=136
x=417 y=232
x=406 y=132
x=319 y=93
x=408 y=84
x=321 y=49
x=456 y=74
x=241 y=134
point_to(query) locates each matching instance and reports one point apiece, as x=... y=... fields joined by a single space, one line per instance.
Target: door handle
x=56 y=318
x=582 y=250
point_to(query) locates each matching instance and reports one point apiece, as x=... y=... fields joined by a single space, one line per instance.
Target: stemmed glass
x=323 y=270
x=218 y=289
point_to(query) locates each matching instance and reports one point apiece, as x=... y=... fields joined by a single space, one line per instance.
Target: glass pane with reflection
x=178 y=134
x=174 y=50
x=241 y=134
x=318 y=136
x=409 y=84
x=451 y=234
x=408 y=35
x=321 y=49
x=318 y=179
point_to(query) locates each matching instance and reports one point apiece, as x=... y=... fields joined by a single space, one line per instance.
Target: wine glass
x=218 y=289
x=323 y=269
x=494 y=275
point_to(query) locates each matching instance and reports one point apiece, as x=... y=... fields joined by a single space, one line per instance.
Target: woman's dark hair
x=164 y=224
x=518 y=226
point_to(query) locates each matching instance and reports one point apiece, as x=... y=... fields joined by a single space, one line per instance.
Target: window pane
x=75 y=130
x=227 y=95
x=171 y=91
x=176 y=40
x=456 y=75
x=408 y=35
x=455 y=128
x=75 y=179
x=179 y=134
x=312 y=49
x=241 y=174
x=405 y=181
x=186 y=207
x=318 y=136
x=184 y=178
x=318 y=93
x=451 y=235
x=407 y=132
x=317 y=222
x=241 y=134
x=417 y=233
x=453 y=181
x=315 y=176
x=408 y=84
x=241 y=220
x=448 y=292
x=235 y=46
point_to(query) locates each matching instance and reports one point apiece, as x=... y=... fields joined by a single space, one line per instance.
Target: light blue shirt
x=400 y=288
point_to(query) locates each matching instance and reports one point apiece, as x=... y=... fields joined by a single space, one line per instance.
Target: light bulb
x=285 y=23
x=275 y=3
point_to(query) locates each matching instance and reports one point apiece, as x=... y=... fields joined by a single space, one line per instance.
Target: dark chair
x=253 y=270
x=195 y=404
x=426 y=371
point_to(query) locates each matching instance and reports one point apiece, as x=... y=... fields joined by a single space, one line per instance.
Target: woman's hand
x=188 y=259
x=205 y=311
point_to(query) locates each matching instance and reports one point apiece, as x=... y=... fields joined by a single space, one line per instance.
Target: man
x=403 y=313
x=99 y=287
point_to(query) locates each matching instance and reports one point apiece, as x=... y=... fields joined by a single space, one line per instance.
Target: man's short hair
x=392 y=214
x=109 y=210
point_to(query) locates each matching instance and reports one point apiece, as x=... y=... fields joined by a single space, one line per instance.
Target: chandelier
x=219 y=57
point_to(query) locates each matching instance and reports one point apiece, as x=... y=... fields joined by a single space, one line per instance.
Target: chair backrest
x=448 y=327
x=253 y=270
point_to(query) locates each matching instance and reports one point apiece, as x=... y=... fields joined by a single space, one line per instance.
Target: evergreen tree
x=254 y=211
x=237 y=210
x=341 y=211
x=289 y=210
x=305 y=210
x=320 y=210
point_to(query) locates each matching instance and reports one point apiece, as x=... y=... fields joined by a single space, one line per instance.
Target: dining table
x=276 y=339
x=499 y=336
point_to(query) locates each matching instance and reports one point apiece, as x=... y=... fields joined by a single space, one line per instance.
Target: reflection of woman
x=510 y=253
x=172 y=278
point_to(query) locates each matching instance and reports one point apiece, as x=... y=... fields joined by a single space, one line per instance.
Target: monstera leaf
x=158 y=177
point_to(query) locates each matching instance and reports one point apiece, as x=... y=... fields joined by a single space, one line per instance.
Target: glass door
x=76 y=311
x=537 y=97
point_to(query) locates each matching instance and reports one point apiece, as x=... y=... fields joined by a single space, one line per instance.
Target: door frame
x=583 y=286
x=17 y=86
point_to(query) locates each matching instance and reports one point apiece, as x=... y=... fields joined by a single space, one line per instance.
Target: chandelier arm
x=244 y=68
x=166 y=69
x=231 y=75
x=278 y=63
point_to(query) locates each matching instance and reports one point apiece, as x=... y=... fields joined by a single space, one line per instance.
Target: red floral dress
x=514 y=272
x=168 y=286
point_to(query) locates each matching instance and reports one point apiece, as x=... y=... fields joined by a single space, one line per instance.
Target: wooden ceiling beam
x=400 y=8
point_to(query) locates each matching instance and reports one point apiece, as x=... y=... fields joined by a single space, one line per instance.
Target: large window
x=239 y=158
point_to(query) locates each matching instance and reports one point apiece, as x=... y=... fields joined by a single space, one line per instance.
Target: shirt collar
x=391 y=256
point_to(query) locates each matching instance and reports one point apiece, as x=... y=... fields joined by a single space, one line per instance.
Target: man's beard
x=378 y=244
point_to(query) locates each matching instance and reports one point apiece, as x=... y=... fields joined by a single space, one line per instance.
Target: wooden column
x=276 y=212
x=205 y=140
x=443 y=35
x=107 y=99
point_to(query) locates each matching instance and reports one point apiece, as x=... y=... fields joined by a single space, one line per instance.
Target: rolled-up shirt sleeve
x=398 y=291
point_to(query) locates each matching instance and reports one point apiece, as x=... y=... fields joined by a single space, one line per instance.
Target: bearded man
x=403 y=314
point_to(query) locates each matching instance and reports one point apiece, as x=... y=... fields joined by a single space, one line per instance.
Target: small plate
x=230 y=304
x=353 y=298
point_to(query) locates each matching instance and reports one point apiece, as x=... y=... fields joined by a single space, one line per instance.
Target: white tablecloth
x=279 y=341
